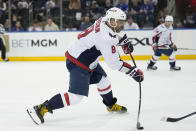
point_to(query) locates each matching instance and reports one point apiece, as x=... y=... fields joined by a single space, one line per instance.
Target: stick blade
x=169 y=119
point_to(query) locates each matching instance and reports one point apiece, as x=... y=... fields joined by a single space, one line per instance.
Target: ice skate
x=37 y=112
x=6 y=60
x=117 y=108
x=151 y=67
x=112 y=107
x=175 y=68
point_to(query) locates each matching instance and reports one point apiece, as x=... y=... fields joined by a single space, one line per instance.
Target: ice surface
x=164 y=93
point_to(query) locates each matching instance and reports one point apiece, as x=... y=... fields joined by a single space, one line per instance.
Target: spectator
x=35 y=27
x=49 y=4
x=18 y=27
x=14 y=19
x=146 y=12
x=86 y=23
x=49 y=8
x=86 y=4
x=3 y=6
x=190 y=18
x=74 y=4
x=2 y=10
x=115 y=2
x=95 y=11
x=7 y=24
x=178 y=24
x=25 y=4
x=123 y=5
x=130 y=24
x=108 y=5
x=22 y=15
x=14 y=4
x=160 y=18
x=135 y=10
x=51 y=26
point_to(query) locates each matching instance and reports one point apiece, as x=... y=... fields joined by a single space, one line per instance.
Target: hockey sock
x=172 y=64
x=151 y=63
x=108 y=98
x=56 y=102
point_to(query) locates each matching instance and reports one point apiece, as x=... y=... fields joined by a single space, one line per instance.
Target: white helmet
x=116 y=14
x=169 y=18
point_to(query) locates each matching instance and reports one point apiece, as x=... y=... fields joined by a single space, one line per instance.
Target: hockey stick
x=185 y=49
x=139 y=127
x=170 y=119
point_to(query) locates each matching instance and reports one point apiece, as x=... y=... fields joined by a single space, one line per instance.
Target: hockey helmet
x=116 y=14
x=169 y=18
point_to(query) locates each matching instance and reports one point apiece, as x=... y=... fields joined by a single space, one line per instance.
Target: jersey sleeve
x=170 y=38
x=155 y=33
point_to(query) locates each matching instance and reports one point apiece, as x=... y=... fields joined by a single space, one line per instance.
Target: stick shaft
x=185 y=49
x=140 y=92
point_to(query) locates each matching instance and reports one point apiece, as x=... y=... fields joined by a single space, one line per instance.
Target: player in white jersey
x=2 y=46
x=83 y=56
x=161 y=41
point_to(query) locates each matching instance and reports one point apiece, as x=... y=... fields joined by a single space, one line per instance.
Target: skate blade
x=33 y=116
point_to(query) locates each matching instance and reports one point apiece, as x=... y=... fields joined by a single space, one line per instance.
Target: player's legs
x=78 y=88
x=154 y=59
x=3 y=50
x=100 y=78
x=172 y=59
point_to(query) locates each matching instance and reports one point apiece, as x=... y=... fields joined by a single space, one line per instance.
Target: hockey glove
x=133 y=71
x=127 y=48
x=136 y=73
x=123 y=40
x=173 y=47
x=154 y=46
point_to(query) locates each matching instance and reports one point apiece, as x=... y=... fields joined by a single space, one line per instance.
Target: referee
x=2 y=46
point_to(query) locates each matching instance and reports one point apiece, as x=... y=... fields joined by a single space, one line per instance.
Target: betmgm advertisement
x=40 y=46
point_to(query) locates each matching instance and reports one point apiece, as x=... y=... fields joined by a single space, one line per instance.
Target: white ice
x=164 y=93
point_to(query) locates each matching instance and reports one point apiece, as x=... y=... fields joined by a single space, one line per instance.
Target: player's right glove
x=173 y=47
x=136 y=73
x=133 y=71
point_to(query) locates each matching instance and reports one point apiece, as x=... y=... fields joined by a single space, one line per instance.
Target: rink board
x=51 y=46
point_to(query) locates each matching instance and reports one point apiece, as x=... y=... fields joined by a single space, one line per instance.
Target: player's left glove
x=173 y=47
x=154 y=46
x=127 y=48
x=126 y=45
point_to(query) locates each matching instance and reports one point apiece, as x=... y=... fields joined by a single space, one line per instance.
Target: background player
x=161 y=41
x=83 y=56
x=2 y=46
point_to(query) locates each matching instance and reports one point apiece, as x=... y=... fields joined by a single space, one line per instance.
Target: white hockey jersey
x=96 y=41
x=161 y=36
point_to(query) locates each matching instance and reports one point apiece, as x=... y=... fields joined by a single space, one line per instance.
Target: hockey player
x=161 y=41
x=2 y=46
x=83 y=56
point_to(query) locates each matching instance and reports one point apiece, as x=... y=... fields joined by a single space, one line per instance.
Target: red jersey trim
x=76 y=61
